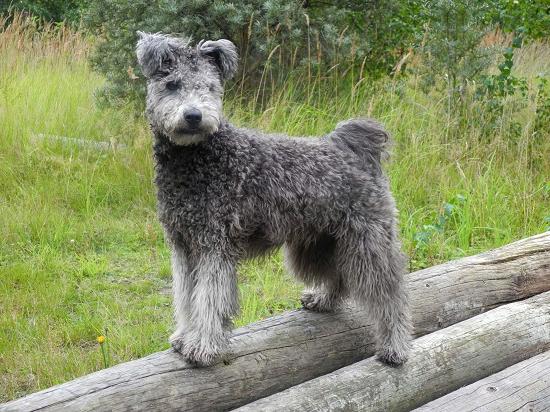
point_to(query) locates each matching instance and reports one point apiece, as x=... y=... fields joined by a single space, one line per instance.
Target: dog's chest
x=196 y=194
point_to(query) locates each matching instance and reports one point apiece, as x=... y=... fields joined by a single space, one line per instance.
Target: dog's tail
x=366 y=138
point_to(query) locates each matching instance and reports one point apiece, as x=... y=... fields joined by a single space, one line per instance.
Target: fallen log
x=102 y=146
x=525 y=386
x=440 y=362
x=277 y=353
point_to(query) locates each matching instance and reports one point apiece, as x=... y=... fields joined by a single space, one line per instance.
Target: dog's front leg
x=213 y=303
x=182 y=287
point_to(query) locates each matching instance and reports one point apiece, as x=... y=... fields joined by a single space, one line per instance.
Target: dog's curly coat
x=225 y=194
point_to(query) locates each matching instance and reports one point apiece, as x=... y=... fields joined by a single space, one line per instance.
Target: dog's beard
x=182 y=135
x=186 y=139
x=186 y=136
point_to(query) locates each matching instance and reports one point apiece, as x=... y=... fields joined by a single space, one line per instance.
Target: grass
x=83 y=255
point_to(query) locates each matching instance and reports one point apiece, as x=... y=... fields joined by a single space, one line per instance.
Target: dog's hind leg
x=313 y=262
x=375 y=267
x=324 y=297
x=213 y=303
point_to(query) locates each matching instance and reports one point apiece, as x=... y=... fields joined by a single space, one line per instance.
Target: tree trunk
x=277 y=353
x=440 y=362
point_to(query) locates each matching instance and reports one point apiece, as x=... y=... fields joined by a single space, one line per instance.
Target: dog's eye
x=173 y=85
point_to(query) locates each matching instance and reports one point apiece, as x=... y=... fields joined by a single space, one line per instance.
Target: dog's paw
x=195 y=351
x=177 y=343
x=177 y=340
x=199 y=355
x=317 y=302
x=392 y=357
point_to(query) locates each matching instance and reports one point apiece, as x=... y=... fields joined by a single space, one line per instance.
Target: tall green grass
x=83 y=255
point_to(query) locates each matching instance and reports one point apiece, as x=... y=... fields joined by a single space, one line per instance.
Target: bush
x=313 y=35
x=48 y=10
x=369 y=34
x=116 y=22
x=530 y=17
x=382 y=30
x=453 y=48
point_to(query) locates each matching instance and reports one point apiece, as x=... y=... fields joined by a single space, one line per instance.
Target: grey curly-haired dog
x=226 y=194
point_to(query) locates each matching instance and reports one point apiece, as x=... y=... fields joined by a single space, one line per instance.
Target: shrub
x=369 y=37
x=369 y=34
x=48 y=10
x=531 y=17
x=453 y=48
x=382 y=30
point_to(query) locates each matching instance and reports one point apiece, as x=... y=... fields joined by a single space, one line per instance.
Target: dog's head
x=185 y=84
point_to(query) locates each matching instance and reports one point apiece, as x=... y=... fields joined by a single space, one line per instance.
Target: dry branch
x=283 y=351
x=523 y=386
x=440 y=362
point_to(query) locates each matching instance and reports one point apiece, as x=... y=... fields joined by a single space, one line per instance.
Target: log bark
x=277 y=353
x=440 y=362
x=523 y=386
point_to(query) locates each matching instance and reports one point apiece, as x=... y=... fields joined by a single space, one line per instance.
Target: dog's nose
x=193 y=117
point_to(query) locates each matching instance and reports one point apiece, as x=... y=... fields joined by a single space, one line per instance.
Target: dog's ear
x=156 y=53
x=223 y=54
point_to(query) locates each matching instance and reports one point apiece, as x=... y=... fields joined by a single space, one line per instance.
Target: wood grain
x=524 y=386
x=440 y=362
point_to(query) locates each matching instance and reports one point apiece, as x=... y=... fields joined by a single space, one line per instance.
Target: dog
x=227 y=194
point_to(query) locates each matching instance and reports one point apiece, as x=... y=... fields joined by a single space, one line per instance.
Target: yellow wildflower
x=100 y=339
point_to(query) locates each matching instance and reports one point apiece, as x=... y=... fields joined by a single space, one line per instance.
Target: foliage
x=531 y=17
x=458 y=53
x=116 y=21
x=48 y=10
x=503 y=84
x=314 y=36
x=372 y=37
x=382 y=31
x=542 y=113
x=495 y=90
x=452 y=48
x=449 y=209
x=504 y=89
